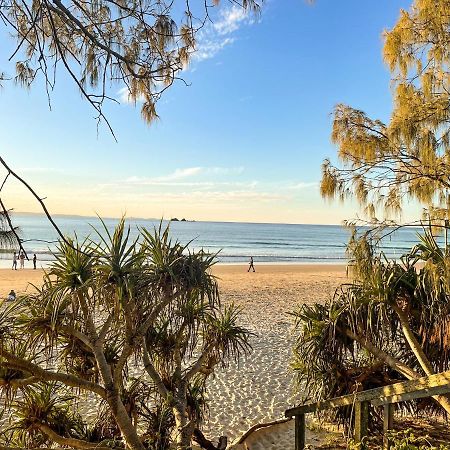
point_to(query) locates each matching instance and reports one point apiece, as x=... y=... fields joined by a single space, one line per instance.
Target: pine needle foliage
x=8 y=239
x=383 y=165
x=105 y=45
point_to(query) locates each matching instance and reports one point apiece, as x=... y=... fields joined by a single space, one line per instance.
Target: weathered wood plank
x=423 y=393
x=361 y=420
x=388 y=423
x=300 y=431
x=438 y=382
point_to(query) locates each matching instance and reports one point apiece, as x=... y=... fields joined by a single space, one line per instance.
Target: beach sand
x=259 y=388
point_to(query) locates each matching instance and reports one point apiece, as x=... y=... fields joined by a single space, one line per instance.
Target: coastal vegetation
x=124 y=332
x=114 y=350
x=390 y=322
x=382 y=165
x=403 y=440
x=8 y=232
x=141 y=47
x=130 y=329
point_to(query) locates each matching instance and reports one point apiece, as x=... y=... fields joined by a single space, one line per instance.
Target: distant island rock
x=175 y=219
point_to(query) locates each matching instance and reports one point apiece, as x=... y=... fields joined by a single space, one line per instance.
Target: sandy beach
x=259 y=389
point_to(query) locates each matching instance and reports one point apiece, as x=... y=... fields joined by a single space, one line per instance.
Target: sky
x=244 y=141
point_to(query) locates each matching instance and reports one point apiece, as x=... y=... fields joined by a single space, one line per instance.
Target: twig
x=12 y=228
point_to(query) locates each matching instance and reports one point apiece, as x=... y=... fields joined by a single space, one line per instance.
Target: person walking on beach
x=22 y=259
x=14 y=265
x=251 y=265
x=34 y=261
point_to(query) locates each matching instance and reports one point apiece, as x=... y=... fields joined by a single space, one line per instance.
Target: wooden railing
x=386 y=396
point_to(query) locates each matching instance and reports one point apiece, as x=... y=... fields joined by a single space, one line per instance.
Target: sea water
x=234 y=242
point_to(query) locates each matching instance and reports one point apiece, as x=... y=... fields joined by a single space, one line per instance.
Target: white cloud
x=193 y=184
x=213 y=38
x=218 y=35
x=208 y=48
x=304 y=185
x=199 y=197
x=231 y=18
x=123 y=94
x=182 y=173
x=177 y=177
x=223 y=170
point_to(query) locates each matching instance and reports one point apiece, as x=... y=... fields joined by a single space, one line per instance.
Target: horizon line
x=154 y=219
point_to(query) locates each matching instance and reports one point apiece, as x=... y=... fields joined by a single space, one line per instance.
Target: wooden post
x=361 y=420
x=300 y=432
x=388 y=423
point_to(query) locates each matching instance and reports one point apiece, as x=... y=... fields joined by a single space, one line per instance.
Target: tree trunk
x=184 y=427
x=124 y=422
x=118 y=410
x=206 y=444
x=397 y=365
x=68 y=441
x=413 y=342
x=381 y=355
x=417 y=349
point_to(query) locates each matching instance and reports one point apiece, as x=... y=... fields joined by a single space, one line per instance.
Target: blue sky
x=243 y=142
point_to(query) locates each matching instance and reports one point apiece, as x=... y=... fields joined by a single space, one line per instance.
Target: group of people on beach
x=21 y=258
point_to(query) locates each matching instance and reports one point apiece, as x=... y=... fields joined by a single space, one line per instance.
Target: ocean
x=235 y=242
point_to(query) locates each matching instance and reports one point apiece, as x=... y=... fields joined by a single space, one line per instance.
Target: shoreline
x=267 y=274
x=5 y=262
x=282 y=267
x=277 y=276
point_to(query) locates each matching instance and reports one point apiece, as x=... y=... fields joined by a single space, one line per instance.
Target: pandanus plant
x=134 y=326
x=389 y=323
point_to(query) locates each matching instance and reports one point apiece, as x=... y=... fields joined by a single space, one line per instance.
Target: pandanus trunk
x=389 y=360
x=124 y=423
x=115 y=403
x=413 y=343
x=184 y=426
x=420 y=355
x=394 y=364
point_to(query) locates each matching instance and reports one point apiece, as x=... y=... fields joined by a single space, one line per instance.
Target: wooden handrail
x=436 y=384
x=392 y=393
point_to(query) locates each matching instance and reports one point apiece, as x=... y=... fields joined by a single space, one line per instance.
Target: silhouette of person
x=14 y=264
x=251 y=265
x=34 y=261
x=22 y=259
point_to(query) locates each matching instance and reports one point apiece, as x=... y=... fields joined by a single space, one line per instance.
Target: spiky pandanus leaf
x=105 y=305
x=383 y=293
x=44 y=405
x=14 y=379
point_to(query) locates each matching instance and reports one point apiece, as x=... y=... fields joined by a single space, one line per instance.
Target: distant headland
x=175 y=219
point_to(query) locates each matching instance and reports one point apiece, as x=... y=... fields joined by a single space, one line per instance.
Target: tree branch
x=48 y=375
x=195 y=368
x=70 y=442
x=150 y=369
